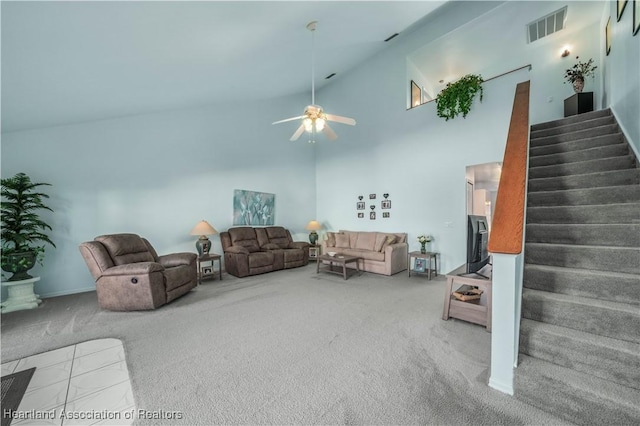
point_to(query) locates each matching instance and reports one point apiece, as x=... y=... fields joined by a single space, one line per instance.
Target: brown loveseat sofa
x=251 y=251
x=381 y=252
x=131 y=276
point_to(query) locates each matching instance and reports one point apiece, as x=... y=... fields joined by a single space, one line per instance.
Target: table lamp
x=313 y=226
x=203 y=245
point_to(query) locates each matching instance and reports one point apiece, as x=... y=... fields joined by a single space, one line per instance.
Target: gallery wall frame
x=621 y=5
x=607 y=36
x=636 y=17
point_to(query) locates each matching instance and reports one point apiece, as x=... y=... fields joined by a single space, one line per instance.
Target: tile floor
x=87 y=382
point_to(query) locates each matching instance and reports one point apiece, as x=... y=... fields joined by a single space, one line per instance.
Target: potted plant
x=456 y=98
x=577 y=73
x=22 y=228
x=423 y=240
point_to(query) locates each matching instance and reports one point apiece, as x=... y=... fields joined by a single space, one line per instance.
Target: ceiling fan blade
x=298 y=132
x=339 y=119
x=289 y=119
x=328 y=131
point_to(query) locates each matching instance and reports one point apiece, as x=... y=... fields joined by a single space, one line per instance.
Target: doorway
x=482 y=188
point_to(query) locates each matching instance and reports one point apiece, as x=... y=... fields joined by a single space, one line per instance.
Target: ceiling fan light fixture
x=308 y=124
x=314 y=119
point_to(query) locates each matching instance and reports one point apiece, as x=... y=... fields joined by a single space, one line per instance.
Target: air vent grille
x=547 y=25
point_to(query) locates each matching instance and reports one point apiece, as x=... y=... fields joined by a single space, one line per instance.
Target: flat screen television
x=477 y=241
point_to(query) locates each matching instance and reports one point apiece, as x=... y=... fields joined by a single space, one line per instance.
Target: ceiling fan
x=315 y=119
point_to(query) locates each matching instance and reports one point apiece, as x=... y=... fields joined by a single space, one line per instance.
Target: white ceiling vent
x=546 y=25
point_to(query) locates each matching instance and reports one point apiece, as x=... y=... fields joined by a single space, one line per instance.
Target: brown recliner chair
x=131 y=276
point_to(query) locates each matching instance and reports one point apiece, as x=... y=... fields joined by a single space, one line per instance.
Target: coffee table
x=340 y=260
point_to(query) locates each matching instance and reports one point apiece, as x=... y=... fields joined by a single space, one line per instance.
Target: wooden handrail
x=508 y=216
x=484 y=81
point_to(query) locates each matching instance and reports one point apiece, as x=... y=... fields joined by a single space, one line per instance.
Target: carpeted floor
x=291 y=347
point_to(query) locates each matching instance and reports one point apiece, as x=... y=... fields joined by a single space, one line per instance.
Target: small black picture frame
x=385 y=204
x=372 y=215
x=372 y=196
x=621 y=5
x=607 y=37
x=385 y=214
x=360 y=215
x=360 y=205
x=636 y=16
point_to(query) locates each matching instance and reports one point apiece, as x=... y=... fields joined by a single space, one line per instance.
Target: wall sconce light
x=565 y=53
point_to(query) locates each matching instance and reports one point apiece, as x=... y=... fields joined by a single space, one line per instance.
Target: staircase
x=580 y=330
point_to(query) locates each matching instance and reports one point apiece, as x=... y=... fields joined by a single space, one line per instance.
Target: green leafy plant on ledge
x=456 y=98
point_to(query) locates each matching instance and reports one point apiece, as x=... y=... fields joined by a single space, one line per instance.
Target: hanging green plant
x=456 y=98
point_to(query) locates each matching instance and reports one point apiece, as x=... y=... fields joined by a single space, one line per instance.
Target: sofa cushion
x=246 y=237
x=365 y=240
x=126 y=248
x=257 y=260
x=278 y=235
x=331 y=239
x=365 y=254
x=270 y=246
x=342 y=240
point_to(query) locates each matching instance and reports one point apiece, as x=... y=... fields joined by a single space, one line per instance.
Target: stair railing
x=506 y=245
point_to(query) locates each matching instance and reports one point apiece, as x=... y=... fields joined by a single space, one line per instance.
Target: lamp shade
x=203 y=228
x=313 y=225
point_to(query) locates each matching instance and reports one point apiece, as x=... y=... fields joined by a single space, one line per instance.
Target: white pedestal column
x=20 y=295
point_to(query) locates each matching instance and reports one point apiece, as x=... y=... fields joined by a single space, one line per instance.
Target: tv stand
x=476 y=311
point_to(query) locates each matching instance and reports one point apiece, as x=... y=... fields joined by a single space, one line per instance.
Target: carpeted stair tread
x=610 y=359
x=601 y=317
x=573 y=127
x=589 y=180
x=598 y=213
x=612 y=234
x=608 y=139
x=585 y=154
x=586 y=196
x=583 y=167
x=581 y=134
x=572 y=119
x=605 y=285
x=602 y=258
x=578 y=397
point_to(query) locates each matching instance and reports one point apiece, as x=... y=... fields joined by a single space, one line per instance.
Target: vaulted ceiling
x=70 y=62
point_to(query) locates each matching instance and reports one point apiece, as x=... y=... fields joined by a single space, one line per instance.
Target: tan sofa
x=381 y=252
x=130 y=275
x=251 y=251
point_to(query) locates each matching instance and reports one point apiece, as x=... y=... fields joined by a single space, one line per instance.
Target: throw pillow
x=342 y=240
x=390 y=240
x=331 y=239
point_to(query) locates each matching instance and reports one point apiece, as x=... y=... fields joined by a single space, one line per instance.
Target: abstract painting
x=253 y=208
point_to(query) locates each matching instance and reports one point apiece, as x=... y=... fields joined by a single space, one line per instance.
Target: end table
x=206 y=267
x=427 y=257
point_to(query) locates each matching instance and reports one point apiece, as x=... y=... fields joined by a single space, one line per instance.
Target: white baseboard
x=67 y=292
x=501 y=386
